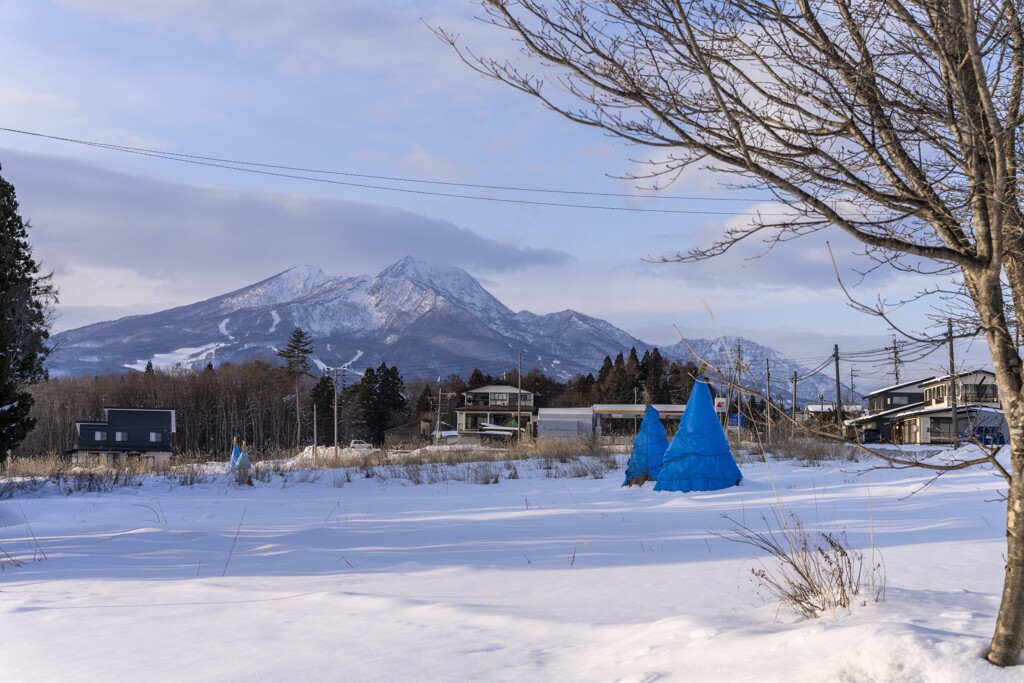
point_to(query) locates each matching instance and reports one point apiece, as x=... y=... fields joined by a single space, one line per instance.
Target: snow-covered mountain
x=745 y=361
x=427 y=319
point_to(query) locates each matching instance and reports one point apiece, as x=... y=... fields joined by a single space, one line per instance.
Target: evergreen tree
x=25 y=300
x=382 y=401
x=296 y=366
x=477 y=379
x=423 y=402
x=656 y=386
x=634 y=382
x=322 y=396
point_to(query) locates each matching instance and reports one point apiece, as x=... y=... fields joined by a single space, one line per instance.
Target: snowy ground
x=530 y=579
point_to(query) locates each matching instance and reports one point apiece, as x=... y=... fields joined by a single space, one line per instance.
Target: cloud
x=313 y=33
x=180 y=243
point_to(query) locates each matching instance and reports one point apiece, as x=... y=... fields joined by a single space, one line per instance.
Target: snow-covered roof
x=969 y=408
x=826 y=407
x=496 y=389
x=887 y=413
x=895 y=387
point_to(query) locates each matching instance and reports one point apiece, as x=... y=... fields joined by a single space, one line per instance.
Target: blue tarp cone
x=648 y=448
x=699 y=458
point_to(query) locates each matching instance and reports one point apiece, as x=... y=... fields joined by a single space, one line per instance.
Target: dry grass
x=811 y=449
x=481 y=464
x=813 y=574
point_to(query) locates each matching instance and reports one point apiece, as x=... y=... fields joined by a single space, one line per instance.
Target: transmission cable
x=259 y=169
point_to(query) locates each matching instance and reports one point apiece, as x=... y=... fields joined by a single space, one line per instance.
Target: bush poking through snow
x=810 y=449
x=814 y=573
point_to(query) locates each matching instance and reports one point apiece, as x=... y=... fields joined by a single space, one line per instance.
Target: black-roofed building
x=136 y=437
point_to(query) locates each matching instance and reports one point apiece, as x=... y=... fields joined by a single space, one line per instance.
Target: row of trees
x=254 y=401
x=257 y=400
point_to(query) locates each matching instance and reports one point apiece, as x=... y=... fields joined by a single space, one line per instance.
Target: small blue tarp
x=233 y=460
x=648 y=448
x=699 y=458
x=242 y=463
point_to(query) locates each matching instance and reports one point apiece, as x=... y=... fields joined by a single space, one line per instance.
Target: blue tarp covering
x=243 y=461
x=699 y=458
x=648 y=448
x=233 y=460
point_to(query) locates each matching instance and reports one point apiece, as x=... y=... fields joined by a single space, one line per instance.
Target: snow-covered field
x=531 y=579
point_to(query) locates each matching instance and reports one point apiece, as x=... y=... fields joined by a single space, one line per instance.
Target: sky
x=364 y=90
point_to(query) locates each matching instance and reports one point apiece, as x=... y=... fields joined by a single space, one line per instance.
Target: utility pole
x=314 y=434
x=792 y=408
x=768 y=392
x=896 y=358
x=335 y=412
x=519 y=401
x=952 y=386
x=437 y=439
x=839 y=395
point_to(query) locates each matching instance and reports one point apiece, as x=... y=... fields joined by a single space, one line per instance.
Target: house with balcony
x=496 y=410
x=977 y=400
x=140 y=438
x=884 y=405
x=921 y=412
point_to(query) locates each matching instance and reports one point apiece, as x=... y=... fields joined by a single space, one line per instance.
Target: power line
x=260 y=169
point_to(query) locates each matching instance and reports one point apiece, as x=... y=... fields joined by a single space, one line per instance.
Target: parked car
x=872 y=436
x=987 y=435
x=359 y=443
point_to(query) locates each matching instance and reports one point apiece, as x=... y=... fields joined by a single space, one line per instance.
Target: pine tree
x=322 y=396
x=382 y=401
x=25 y=301
x=296 y=366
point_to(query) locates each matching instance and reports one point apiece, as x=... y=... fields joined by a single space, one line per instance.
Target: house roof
x=945 y=378
x=825 y=407
x=904 y=385
x=495 y=389
x=887 y=413
x=970 y=407
x=922 y=382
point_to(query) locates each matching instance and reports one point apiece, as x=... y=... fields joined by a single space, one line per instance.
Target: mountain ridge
x=427 y=319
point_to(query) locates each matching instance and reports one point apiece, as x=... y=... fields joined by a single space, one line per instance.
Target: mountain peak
x=451 y=282
x=423 y=272
x=286 y=286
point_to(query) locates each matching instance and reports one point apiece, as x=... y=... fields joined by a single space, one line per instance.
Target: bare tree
x=894 y=121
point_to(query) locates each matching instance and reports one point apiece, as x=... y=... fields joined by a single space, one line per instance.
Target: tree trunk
x=1008 y=637
x=986 y=291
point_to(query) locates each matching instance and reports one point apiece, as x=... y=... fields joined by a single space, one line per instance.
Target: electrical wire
x=260 y=169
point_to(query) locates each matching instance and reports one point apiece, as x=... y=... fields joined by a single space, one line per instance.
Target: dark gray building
x=142 y=437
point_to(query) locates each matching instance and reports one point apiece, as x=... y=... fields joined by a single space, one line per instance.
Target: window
x=154 y=437
x=900 y=400
x=120 y=436
x=100 y=436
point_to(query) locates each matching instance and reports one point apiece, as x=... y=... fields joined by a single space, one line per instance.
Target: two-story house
x=498 y=406
x=884 y=404
x=977 y=400
x=140 y=437
x=921 y=411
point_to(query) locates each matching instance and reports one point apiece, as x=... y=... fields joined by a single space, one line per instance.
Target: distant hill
x=427 y=319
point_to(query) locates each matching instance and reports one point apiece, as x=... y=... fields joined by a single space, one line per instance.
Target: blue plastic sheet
x=699 y=457
x=648 y=448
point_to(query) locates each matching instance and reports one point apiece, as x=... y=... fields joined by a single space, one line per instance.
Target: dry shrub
x=44 y=466
x=811 y=449
x=813 y=573
x=189 y=475
x=568 y=447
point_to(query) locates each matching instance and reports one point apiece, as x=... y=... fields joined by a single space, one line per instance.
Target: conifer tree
x=296 y=366
x=25 y=301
